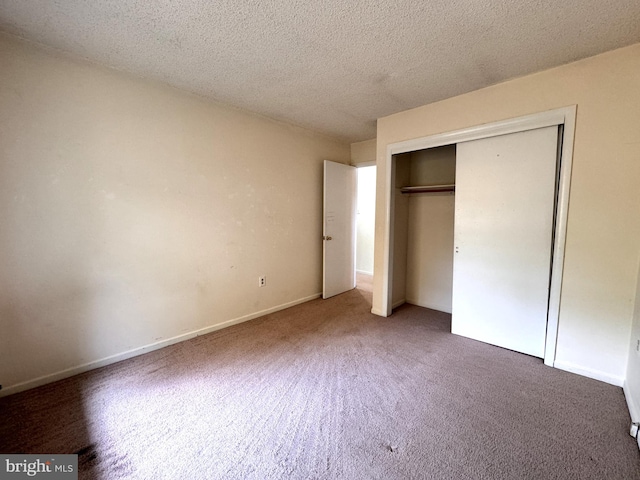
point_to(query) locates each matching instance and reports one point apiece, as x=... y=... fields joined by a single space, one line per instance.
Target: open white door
x=338 y=229
x=504 y=214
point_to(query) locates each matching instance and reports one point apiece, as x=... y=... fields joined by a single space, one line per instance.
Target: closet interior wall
x=423 y=229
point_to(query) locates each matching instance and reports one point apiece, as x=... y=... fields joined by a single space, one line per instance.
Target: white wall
x=430 y=234
x=366 y=219
x=603 y=230
x=364 y=153
x=132 y=213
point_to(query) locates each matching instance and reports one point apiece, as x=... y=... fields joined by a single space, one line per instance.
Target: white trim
x=589 y=372
x=560 y=238
x=398 y=303
x=634 y=408
x=431 y=306
x=372 y=163
x=380 y=313
x=493 y=129
x=387 y=265
x=562 y=116
x=69 y=372
x=362 y=272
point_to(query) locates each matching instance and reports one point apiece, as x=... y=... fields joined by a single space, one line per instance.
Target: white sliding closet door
x=504 y=211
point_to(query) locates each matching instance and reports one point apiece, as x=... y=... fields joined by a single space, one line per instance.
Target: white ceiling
x=334 y=66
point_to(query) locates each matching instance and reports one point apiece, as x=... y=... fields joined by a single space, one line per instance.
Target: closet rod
x=429 y=189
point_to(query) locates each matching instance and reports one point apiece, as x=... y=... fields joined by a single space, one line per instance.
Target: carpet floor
x=326 y=390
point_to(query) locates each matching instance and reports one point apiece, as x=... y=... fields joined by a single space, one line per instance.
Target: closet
x=474 y=233
x=424 y=208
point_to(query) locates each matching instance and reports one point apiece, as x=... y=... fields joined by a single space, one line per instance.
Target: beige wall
x=632 y=383
x=603 y=237
x=430 y=251
x=363 y=152
x=434 y=166
x=132 y=213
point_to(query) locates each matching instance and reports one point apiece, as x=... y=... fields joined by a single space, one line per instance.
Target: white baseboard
x=634 y=408
x=398 y=303
x=363 y=272
x=69 y=372
x=431 y=306
x=588 y=372
x=382 y=313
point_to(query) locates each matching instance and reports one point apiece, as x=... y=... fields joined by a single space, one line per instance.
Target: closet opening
x=438 y=189
x=424 y=226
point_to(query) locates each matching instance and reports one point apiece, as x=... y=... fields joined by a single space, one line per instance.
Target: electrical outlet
x=262 y=281
x=634 y=430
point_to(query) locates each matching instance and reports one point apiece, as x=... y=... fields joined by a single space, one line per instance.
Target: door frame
x=565 y=116
x=359 y=166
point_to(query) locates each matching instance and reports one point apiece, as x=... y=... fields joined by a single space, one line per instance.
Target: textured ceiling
x=332 y=65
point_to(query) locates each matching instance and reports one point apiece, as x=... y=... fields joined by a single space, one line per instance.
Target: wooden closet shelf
x=429 y=189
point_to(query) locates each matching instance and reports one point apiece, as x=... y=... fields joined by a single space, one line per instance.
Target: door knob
x=327 y=238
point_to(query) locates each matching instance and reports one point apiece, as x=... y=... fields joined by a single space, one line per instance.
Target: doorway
x=349 y=200
x=365 y=226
